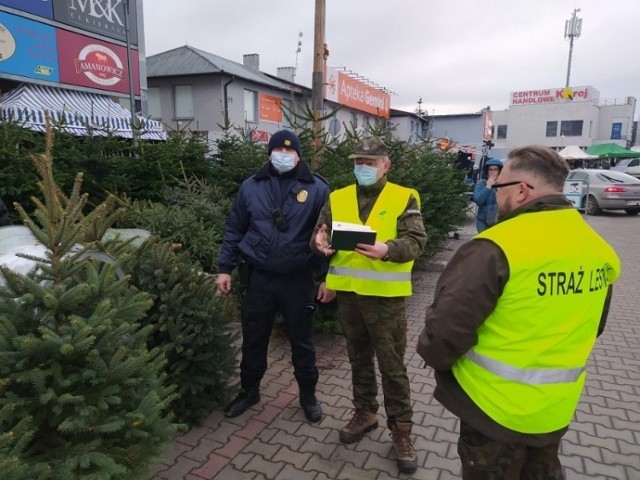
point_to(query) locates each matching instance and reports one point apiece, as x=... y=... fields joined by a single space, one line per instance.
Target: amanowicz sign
x=92 y=63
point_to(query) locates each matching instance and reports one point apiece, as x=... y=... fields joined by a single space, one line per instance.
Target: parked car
x=630 y=166
x=608 y=190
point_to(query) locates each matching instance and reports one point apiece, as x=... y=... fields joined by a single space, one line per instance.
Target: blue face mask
x=282 y=162
x=365 y=175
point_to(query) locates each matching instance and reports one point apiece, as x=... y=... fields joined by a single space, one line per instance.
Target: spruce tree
x=191 y=324
x=81 y=395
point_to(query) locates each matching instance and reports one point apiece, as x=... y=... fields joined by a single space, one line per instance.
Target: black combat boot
x=310 y=406
x=246 y=398
x=308 y=401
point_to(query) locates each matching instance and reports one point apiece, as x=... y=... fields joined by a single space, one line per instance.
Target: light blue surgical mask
x=365 y=175
x=283 y=162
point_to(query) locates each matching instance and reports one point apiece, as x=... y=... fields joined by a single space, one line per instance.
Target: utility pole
x=317 y=87
x=132 y=93
x=572 y=29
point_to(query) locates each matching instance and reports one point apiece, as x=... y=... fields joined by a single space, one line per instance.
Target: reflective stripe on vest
x=371 y=275
x=353 y=272
x=530 y=376
x=527 y=369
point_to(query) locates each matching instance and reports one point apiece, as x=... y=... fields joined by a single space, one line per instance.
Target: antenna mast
x=572 y=29
x=298 y=50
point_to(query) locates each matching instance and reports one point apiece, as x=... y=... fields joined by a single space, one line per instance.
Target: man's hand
x=493 y=178
x=324 y=294
x=377 y=250
x=223 y=282
x=322 y=242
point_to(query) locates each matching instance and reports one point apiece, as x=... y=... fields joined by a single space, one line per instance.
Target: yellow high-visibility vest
x=528 y=368
x=349 y=271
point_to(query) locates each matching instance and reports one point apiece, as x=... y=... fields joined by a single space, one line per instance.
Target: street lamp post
x=132 y=93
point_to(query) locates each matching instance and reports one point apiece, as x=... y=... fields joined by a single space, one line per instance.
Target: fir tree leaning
x=81 y=395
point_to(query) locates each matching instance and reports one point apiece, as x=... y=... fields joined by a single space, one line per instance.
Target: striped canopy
x=75 y=112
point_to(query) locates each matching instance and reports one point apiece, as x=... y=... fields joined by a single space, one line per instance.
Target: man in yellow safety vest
x=516 y=313
x=372 y=282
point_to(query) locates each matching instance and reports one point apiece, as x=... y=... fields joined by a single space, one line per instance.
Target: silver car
x=608 y=190
x=628 y=165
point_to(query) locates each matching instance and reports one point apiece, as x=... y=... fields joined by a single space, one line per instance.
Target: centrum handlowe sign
x=555 y=95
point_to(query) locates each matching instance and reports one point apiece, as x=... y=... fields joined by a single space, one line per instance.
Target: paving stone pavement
x=273 y=440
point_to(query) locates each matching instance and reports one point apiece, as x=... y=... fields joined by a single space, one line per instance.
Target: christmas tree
x=81 y=395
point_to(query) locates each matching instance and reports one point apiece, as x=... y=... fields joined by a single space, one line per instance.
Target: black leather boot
x=310 y=406
x=242 y=402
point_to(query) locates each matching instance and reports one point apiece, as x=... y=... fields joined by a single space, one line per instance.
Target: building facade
x=196 y=90
x=79 y=54
x=73 y=44
x=554 y=117
x=561 y=117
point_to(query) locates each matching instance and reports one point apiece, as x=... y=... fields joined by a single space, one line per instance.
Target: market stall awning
x=611 y=150
x=75 y=112
x=574 y=152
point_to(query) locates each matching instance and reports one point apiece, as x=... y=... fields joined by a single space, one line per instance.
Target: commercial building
x=555 y=117
x=193 y=89
x=81 y=61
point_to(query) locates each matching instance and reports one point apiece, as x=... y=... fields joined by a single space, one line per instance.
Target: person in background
x=269 y=225
x=515 y=315
x=485 y=197
x=372 y=283
x=4 y=215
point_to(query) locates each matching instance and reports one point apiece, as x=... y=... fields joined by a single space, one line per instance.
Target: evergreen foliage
x=81 y=395
x=110 y=164
x=237 y=158
x=191 y=325
x=17 y=177
x=192 y=215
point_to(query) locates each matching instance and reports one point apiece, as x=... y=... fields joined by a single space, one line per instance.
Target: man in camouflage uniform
x=371 y=283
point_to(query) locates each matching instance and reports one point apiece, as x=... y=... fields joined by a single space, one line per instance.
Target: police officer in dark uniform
x=269 y=227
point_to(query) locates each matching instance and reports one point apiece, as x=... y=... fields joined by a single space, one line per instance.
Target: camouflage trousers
x=377 y=326
x=485 y=459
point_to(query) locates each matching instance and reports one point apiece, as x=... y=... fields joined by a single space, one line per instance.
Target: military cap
x=370 y=147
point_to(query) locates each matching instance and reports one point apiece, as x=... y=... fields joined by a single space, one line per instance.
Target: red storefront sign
x=89 y=62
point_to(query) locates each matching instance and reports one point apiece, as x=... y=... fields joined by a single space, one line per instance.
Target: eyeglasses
x=497 y=186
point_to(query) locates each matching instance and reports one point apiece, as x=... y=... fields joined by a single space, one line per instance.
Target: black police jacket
x=272 y=228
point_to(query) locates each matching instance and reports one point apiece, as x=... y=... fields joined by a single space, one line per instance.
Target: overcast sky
x=459 y=56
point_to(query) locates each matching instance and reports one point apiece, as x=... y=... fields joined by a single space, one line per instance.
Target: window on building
x=571 y=128
x=183 y=101
x=502 y=132
x=153 y=102
x=552 y=129
x=251 y=106
x=616 y=131
x=354 y=120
